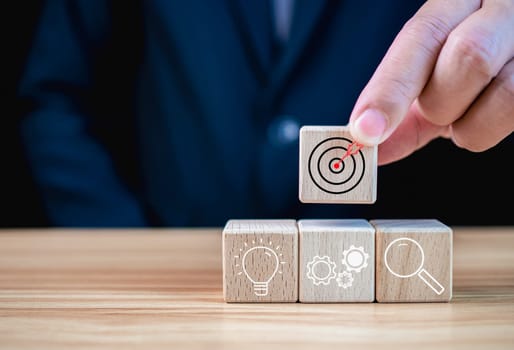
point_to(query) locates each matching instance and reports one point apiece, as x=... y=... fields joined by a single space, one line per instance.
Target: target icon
x=333 y=168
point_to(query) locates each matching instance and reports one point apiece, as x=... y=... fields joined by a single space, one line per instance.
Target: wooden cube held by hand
x=334 y=168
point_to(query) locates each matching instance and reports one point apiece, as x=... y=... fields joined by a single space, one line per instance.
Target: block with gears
x=414 y=260
x=260 y=261
x=334 y=168
x=337 y=261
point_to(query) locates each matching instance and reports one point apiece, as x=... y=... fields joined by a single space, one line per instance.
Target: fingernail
x=369 y=128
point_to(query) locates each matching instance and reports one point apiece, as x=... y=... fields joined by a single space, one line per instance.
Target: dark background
x=20 y=205
x=440 y=181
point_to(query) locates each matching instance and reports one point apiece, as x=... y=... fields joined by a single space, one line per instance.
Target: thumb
x=404 y=70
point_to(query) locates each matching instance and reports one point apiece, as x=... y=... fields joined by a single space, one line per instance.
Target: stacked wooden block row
x=331 y=261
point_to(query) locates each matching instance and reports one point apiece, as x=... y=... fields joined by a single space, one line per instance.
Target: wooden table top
x=135 y=289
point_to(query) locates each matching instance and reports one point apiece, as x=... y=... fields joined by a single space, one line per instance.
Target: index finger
x=405 y=69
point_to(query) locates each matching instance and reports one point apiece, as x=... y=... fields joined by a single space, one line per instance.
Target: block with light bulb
x=336 y=261
x=260 y=261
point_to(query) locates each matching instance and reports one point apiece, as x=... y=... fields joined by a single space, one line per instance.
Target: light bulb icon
x=260 y=263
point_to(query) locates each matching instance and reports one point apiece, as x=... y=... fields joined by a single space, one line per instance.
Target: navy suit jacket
x=183 y=113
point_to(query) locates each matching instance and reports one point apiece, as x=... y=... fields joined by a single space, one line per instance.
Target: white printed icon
x=345 y=279
x=355 y=259
x=407 y=248
x=322 y=270
x=259 y=255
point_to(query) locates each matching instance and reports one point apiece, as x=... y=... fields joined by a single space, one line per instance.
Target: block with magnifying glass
x=414 y=259
x=260 y=261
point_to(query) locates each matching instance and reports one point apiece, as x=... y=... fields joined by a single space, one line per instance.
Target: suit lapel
x=254 y=23
x=307 y=15
x=253 y=19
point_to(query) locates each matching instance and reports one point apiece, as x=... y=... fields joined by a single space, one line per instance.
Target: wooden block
x=260 y=261
x=337 y=261
x=329 y=174
x=414 y=260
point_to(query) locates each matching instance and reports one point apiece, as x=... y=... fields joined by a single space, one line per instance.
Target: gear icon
x=321 y=270
x=355 y=259
x=344 y=279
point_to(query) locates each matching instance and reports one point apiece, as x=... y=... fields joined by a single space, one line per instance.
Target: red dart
x=352 y=149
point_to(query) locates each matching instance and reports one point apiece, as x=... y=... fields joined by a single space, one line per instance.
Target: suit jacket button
x=284 y=130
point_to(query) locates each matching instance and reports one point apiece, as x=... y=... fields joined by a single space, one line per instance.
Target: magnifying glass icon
x=412 y=260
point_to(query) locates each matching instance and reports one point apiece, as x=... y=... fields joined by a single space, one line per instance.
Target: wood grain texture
x=413 y=260
x=162 y=289
x=324 y=179
x=260 y=261
x=337 y=261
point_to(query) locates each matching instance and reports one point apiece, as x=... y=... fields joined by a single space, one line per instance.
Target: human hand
x=448 y=73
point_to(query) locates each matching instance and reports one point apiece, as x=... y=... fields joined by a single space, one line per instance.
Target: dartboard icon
x=333 y=172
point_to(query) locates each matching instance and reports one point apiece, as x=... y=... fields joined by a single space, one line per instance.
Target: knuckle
x=432 y=112
x=476 y=135
x=467 y=143
x=505 y=81
x=397 y=88
x=428 y=30
x=401 y=87
x=475 y=53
